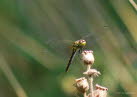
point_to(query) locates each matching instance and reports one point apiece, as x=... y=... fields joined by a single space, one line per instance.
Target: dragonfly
x=77 y=46
x=62 y=47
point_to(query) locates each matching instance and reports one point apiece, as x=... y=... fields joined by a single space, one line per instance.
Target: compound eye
x=82 y=42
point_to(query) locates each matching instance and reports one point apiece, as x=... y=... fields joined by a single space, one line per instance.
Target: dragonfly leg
x=80 y=50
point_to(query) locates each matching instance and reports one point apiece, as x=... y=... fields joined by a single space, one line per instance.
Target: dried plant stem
x=88 y=67
x=84 y=94
x=85 y=86
x=91 y=86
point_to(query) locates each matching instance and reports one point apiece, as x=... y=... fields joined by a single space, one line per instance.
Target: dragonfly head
x=82 y=43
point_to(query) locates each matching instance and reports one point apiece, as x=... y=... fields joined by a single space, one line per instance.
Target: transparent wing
x=60 y=47
x=92 y=39
x=64 y=47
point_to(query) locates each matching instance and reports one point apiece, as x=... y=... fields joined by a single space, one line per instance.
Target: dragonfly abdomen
x=71 y=59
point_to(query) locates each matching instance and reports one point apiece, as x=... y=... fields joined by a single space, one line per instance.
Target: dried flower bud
x=88 y=57
x=82 y=84
x=101 y=87
x=100 y=91
x=92 y=72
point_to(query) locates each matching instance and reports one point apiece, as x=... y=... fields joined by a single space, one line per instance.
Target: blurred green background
x=35 y=40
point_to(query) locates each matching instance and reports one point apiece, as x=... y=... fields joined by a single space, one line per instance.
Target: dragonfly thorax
x=77 y=46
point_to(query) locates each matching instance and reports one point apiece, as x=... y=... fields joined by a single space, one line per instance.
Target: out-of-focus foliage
x=35 y=36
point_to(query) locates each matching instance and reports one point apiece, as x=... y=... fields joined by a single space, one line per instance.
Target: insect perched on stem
x=77 y=46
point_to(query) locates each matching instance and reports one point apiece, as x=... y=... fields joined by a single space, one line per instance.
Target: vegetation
x=35 y=36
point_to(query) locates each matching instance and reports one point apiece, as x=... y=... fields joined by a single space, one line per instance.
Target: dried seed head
x=101 y=88
x=88 y=57
x=100 y=91
x=92 y=72
x=82 y=84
